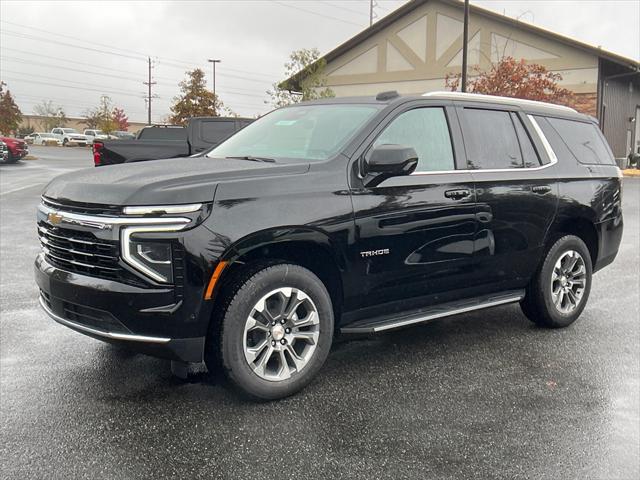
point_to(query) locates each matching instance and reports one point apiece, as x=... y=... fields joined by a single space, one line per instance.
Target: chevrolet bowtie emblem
x=54 y=218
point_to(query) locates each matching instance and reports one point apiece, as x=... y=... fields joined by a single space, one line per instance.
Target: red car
x=17 y=148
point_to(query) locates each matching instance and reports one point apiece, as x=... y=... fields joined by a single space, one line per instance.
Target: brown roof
x=473 y=10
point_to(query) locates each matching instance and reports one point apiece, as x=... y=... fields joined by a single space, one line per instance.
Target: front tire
x=559 y=290
x=276 y=331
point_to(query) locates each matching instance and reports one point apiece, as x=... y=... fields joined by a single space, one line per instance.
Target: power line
x=174 y=81
x=72 y=38
x=33 y=37
x=318 y=14
x=48 y=40
x=30 y=62
x=72 y=87
x=343 y=8
x=223 y=91
x=129 y=51
x=65 y=60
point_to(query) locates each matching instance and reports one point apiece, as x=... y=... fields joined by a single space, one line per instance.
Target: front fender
x=281 y=236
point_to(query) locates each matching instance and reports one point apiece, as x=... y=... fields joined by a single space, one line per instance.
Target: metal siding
x=620 y=96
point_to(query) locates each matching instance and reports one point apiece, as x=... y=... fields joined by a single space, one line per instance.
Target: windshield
x=307 y=132
x=69 y=130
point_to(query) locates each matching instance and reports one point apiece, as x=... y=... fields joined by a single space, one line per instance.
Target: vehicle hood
x=12 y=141
x=160 y=182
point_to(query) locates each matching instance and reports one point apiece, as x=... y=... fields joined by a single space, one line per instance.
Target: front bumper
x=119 y=313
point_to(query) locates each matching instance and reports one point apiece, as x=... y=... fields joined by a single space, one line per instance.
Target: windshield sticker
x=285 y=122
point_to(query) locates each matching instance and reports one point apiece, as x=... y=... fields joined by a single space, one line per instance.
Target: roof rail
x=497 y=99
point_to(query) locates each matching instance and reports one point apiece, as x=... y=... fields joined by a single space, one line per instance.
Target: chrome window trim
x=159 y=209
x=553 y=159
x=125 y=247
x=102 y=333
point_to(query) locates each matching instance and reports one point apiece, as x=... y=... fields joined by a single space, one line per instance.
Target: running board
x=389 y=322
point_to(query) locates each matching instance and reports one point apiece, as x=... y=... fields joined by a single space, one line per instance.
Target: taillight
x=97 y=153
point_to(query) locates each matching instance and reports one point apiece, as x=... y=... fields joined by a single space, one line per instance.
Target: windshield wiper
x=254 y=159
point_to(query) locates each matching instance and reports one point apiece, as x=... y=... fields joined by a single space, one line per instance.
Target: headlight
x=150 y=257
x=156 y=257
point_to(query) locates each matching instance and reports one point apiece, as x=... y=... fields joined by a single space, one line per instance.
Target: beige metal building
x=412 y=50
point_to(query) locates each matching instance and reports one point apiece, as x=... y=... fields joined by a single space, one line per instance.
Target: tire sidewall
x=232 y=344
x=563 y=245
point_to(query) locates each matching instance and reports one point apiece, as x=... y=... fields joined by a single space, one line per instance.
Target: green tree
x=10 y=114
x=52 y=117
x=306 y=79
x=104 y=112
x=195 y=100
x=91 y=118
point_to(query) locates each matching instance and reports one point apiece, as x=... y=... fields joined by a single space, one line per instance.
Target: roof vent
x=382 y=96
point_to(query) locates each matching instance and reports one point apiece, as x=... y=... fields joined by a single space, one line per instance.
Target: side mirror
x=386 y=161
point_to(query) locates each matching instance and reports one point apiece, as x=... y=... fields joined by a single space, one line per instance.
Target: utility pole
x=215 y=99
x=149 y=83
x=465 y=39
x=372 y=14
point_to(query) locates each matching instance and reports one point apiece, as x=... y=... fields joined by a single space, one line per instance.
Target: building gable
x=416 y=51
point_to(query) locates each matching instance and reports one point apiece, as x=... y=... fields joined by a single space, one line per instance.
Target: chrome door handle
x=457 y=194
x=541 y=189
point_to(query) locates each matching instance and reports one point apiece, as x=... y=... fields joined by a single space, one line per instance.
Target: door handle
x=457 y=194
x=541 y=189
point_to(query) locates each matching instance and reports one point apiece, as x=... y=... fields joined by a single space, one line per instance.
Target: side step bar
x=380 y=324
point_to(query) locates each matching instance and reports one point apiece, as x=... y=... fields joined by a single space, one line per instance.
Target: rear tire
x=275 y=332
x=559 y=290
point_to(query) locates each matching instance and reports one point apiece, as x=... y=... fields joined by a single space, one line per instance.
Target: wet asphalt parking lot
x=481 y=395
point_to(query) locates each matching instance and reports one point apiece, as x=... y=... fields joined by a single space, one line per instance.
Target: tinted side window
x=427 y=131
x=529 y=154
x=216 y=131
x=583 y=140
x=163 y=133
x=490 y=139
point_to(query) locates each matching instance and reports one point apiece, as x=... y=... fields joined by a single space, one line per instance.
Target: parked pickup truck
x=70 y=136
x=168 y=141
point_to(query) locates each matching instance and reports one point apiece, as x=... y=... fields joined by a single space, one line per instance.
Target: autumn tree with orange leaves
x=518 y=79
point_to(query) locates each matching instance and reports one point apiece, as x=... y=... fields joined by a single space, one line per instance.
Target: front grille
x=83 y=208
x=80 y=252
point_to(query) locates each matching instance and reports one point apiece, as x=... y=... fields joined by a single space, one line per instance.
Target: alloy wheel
x=568 y=281
x=281 y=334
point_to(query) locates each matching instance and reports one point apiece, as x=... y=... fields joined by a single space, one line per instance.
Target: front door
x=414 y=234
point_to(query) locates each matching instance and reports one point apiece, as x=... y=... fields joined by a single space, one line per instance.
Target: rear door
x=516 y=193
x=414 y=234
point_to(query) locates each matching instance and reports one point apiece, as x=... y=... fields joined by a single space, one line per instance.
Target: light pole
x=211 y=60
x=465 y=39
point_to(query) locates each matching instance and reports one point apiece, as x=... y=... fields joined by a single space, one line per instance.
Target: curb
x=631 y=172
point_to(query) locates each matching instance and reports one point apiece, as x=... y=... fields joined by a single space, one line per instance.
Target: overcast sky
x=72 y=52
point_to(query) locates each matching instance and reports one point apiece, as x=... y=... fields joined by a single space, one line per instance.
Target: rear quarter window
x=584 y=141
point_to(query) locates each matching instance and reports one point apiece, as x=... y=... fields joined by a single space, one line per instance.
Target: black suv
x=353 y=215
